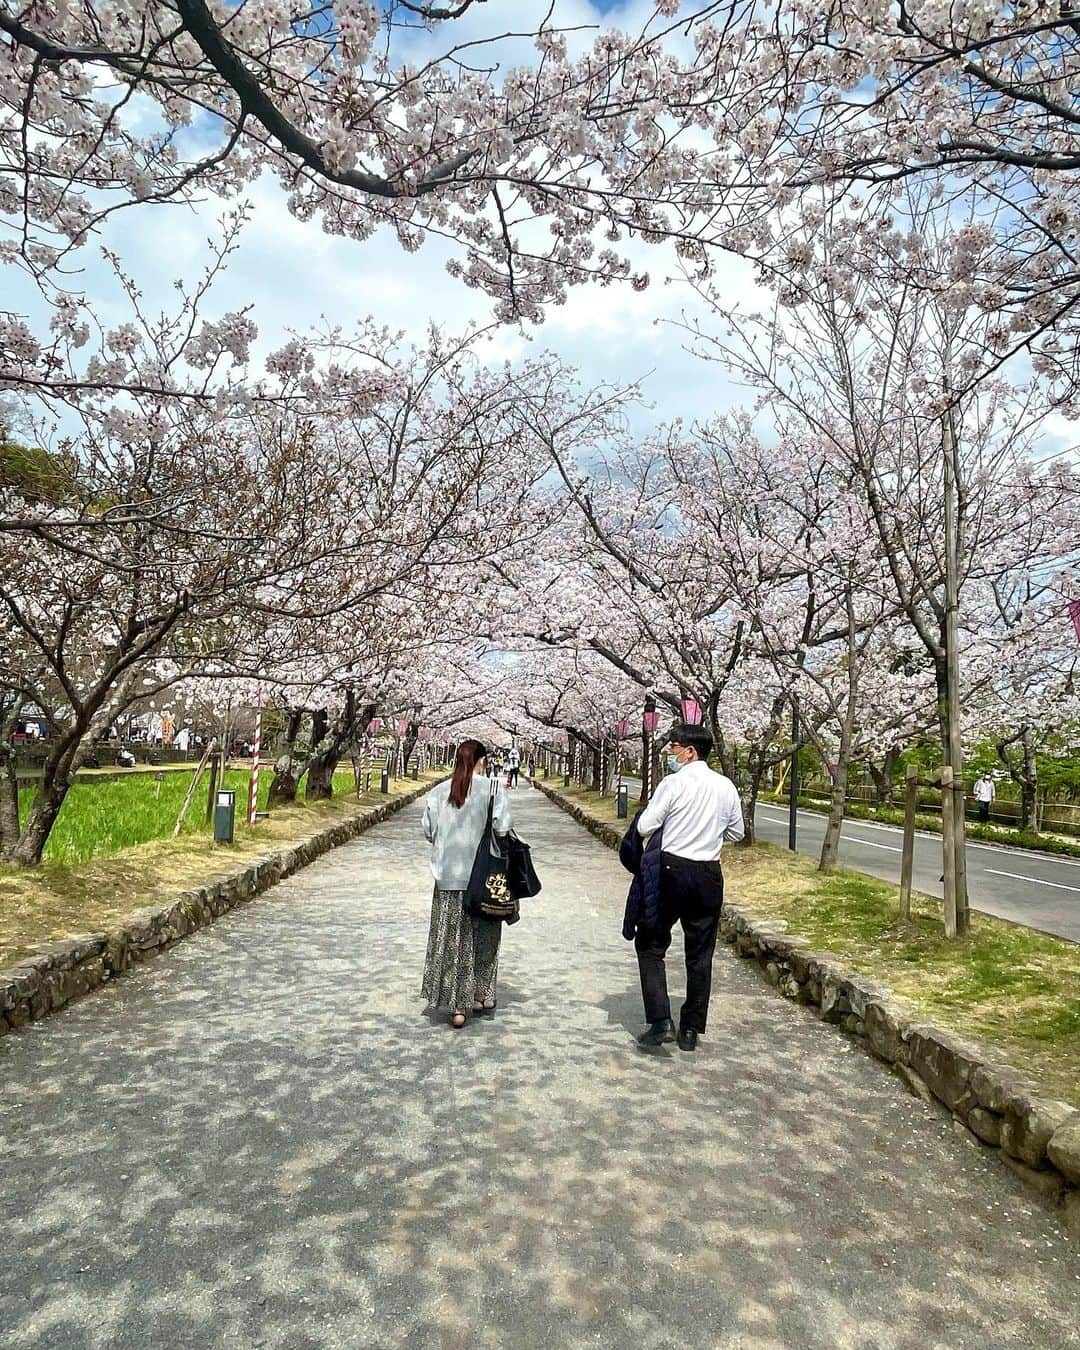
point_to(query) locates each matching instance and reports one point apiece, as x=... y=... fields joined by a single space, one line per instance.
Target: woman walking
x=463 y=951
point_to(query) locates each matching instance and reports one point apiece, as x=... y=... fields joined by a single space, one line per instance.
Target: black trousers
x=691 y=893
x=984 y=811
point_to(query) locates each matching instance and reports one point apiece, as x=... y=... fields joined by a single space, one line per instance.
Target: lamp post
x=374 y=727
x=401 y=726
x=649 y=719
x=691 y=711
x=602 y=734
x=622 y=729
x=253 y=787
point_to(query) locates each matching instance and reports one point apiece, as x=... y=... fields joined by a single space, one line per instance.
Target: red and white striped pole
x=253 y=793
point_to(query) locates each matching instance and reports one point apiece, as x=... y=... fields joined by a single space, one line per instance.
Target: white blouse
x=454 y=832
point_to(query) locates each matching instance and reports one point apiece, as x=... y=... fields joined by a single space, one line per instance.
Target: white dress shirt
x=984 y=790
x=698 y=809
x=454 y=832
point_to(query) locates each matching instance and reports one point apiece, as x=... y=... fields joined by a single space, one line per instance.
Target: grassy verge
x=1016 y=988
x=975 y=829
x=116 y=813
x=42 y=904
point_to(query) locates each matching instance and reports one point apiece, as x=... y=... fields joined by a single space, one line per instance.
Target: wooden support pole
x=191 y=789
x=907 y=856
x=948 y=847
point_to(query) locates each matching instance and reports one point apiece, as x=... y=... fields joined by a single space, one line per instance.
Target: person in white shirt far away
x=697 y=809
x=984 y=793
x=513 y=766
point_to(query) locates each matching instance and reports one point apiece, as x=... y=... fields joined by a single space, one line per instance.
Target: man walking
x=984 y=793
x=513 y=766
x=697 y=809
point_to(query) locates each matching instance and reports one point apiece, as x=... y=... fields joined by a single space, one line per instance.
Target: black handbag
x=488 y=894
x=520 y=873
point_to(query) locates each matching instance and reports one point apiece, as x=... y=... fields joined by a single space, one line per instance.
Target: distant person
x=984 y=793
x=463 y=951
x=513 y=767
x=125 y=757
x=183 y=739
x=697 y=809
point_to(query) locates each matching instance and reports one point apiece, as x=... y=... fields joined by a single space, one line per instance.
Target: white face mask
x=673 y=764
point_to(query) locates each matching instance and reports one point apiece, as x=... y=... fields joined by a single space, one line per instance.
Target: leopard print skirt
x=462 y=955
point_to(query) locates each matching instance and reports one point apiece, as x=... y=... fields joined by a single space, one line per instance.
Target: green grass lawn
x=103 y=817
x=63 y=897
x=1014 y=987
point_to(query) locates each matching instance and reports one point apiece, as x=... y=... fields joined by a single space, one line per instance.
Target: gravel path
x=259 y=1139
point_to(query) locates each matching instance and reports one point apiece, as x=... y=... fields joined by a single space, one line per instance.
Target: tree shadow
x=256 y=1141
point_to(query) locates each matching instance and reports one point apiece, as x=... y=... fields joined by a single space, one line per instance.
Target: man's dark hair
x=693 y=736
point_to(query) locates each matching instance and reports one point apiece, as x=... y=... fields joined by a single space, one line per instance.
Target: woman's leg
x=449 y=973
x=487 y=934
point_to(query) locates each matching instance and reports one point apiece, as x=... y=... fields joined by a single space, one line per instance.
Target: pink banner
x=1074 y=614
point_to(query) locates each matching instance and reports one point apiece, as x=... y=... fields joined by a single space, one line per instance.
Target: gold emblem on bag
x=499 y=902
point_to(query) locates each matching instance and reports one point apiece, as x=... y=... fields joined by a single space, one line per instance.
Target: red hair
x=469 y=755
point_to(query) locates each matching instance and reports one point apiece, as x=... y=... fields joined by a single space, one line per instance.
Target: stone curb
x=41 y=984
x=991 y=1102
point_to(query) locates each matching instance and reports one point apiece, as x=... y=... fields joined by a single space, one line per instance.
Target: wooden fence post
x=907 y=857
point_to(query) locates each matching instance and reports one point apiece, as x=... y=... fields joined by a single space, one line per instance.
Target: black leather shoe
x=687 y=1038
x=657 y=1033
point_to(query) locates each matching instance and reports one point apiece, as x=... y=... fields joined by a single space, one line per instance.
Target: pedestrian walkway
x=259 y=1140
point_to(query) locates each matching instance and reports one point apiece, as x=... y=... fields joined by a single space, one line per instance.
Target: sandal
x=485 y=1010
x=454 y=1020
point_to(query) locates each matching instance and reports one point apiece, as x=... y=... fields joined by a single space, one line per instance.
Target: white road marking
x=869 y=843
x=1057 y=885
x=999 y=849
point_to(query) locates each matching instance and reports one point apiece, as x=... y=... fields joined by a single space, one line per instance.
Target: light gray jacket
x=454 y=832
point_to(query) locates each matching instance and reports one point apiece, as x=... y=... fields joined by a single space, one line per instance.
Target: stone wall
x=41 y=984
x=992 y=1104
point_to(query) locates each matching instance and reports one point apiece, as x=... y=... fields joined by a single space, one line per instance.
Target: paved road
x=1037 y=889
x=259 y=1139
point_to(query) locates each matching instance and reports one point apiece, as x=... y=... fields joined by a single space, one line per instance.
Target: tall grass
x=101 y=816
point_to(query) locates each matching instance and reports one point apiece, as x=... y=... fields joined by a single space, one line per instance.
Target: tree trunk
x=748 y=798
x=329 y=742
x=9 y=799
x=830 y=845
x=323 y=761
x=320 y=778
x=1029 y=785
x=408 y=745
x=30 y=845
x=289 y=766
x=57 y=773
x=11 y=704
x=749 y=785
x=883 y=776
x=953 y=834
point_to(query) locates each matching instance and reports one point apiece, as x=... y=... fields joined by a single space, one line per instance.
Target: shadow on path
x=259 y=1139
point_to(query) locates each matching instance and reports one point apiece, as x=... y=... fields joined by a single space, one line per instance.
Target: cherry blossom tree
x=877 y=371
x=520 y=144
x=102 y=615
x=868 y=113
